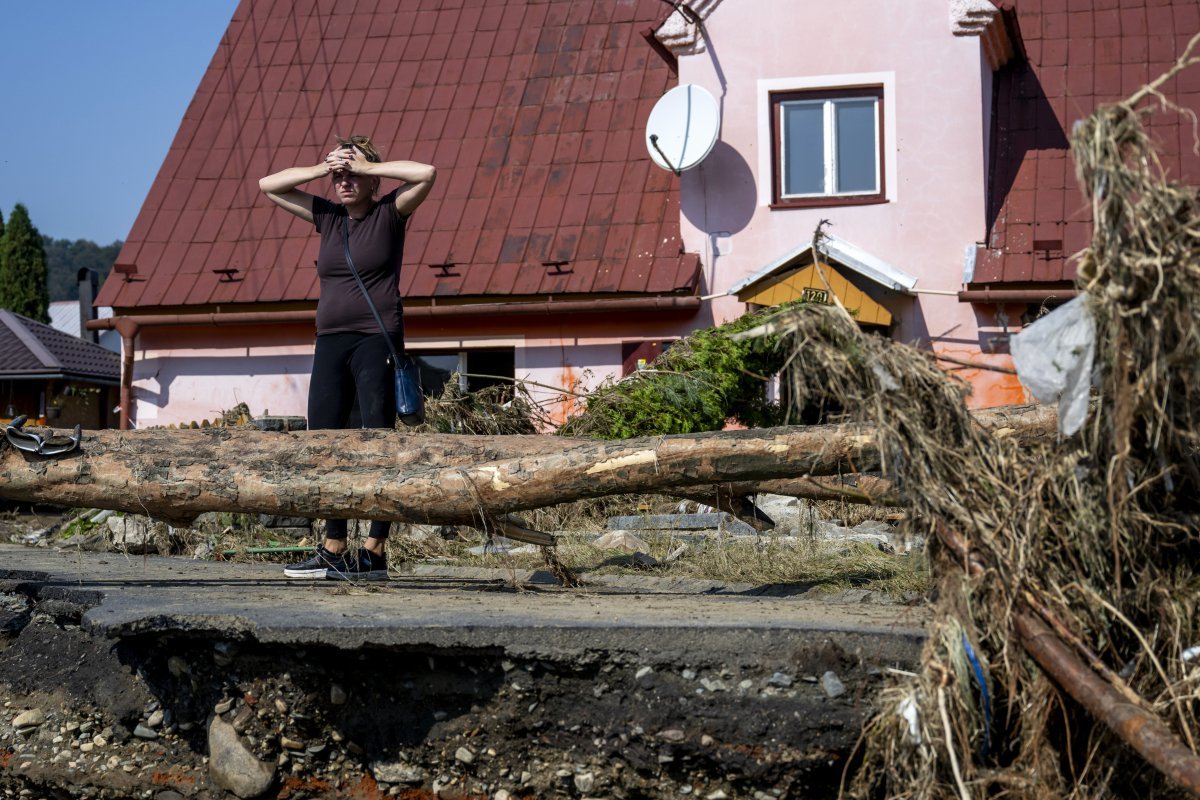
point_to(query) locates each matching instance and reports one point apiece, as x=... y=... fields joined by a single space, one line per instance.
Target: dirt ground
x=129 y=716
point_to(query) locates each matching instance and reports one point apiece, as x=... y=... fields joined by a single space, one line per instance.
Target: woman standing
x=351 y=359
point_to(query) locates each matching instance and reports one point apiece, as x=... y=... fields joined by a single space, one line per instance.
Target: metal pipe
x=1142 y=730
x=1015 y=295
x=668 y=303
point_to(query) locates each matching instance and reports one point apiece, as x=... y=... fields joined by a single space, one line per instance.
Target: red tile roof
x=532 y=110
x=1080 y=54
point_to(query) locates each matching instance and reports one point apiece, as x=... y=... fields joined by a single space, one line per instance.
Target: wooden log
x=373 y=474
x=428 y=478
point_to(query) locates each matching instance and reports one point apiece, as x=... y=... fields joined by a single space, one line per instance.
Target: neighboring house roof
x=1080 y=55
x=531 y=111
x=64 y=316
x=34 y=350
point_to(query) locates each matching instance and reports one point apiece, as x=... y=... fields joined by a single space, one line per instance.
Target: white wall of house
x=936 y=91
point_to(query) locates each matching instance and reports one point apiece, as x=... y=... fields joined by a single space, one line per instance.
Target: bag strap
x=387 y=337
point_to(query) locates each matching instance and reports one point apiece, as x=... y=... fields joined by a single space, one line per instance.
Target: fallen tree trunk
x=377 y=474
x=176 y=475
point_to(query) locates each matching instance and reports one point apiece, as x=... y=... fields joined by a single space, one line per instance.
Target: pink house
x=930 y=135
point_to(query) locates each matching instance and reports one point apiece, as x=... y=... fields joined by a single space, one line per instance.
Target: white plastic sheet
x=1054 y=357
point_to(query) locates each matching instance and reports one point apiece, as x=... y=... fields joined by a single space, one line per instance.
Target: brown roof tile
x=1080 y=54
x=531 y=110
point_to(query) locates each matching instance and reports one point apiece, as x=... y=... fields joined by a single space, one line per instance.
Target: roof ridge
x=16 y=323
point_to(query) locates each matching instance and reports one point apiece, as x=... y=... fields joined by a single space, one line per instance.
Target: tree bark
x=427 y=478
x=371 y=474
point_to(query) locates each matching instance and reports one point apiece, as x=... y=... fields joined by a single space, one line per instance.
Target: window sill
x=826 y=202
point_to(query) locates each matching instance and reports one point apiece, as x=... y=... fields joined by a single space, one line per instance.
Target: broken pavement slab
x=150 y=594
x=540 y=675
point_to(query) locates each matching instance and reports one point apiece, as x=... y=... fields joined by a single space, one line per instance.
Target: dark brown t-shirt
x=377 y=248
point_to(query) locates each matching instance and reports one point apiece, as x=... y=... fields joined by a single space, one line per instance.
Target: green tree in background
x=1 y=225
x=23 y=268
x=64 y=259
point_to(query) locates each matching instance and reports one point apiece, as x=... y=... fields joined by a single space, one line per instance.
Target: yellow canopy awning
x=806 y=284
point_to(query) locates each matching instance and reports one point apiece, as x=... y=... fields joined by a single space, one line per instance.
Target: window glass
x=827 y=146
x=803 y=148
x=489 y=367
x=854 y=121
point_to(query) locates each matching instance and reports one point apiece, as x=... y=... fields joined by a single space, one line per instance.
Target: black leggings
x=347 y=366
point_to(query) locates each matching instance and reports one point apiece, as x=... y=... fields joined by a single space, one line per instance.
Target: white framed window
x=827 y=147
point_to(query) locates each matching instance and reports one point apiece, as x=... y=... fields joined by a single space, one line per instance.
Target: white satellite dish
x=683 y=127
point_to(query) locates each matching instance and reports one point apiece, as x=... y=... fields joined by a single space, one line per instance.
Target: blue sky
x=92 y=94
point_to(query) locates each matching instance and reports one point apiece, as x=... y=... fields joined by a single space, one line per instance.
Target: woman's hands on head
x=347 y=159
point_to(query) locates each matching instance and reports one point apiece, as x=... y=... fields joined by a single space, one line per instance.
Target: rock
x=642 y=672
x=168 y=795
x=672 y=735
x=502 y=794
x=707 y=741
x=288 y=743
x=832 y=686
x=177 y=666
x=232 y=766
x=136 y=535
x=242 y=718
x=155 y=719
x=584 y=782
x=689 y=674
x=716 y=685
x=464 y=755
x=780 y=679
x=223 y=706
x=718 y=794
x=337 y=695
x=29 y=719
x=143 y=732
x=396 y=772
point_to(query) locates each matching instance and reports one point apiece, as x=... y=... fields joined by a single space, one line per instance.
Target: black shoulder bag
x=410 y=400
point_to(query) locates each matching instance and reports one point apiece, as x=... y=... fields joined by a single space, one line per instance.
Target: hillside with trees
x=65 y=257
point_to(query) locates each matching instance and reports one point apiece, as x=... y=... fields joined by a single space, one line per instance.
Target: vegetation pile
x=501 y=409
x=697 y=384
x=1082 y=554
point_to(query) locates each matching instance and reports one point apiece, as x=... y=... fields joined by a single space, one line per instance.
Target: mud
x=128 y=717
